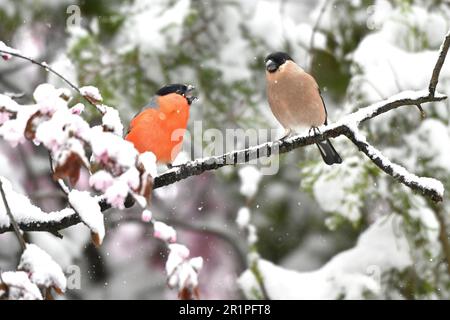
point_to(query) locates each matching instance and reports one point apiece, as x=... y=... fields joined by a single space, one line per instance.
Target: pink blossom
x=116 y=194
x=77 y=109
x=131 y=177
x=4 y=116
x=101 y=180
x=6 y=56
x=164 y=232
x=146 y=216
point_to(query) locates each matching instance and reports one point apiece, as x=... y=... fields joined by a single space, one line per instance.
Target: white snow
x=181 y=271
x=153 y=27
x=111 y=120
x=42 y=269
x=252 y=237
x=148 y=160
x=178 y=254
x=351 y=274
x=164 y=232
x=8 y=103
x=243 y=217
x=131 y=178
x=19 y=286
x=24 y=212
x=424 y=182
x=44 y=92
x=333 y=188
x=428 y=141
x=101 y=180
x=250 y=177
x=405 y=60
x=4 y=47
x=89 y=211
x=77 y=109
x=13 y=131
x=196 y=263
x=107 y=146
x=8 y=108
x=92 y=93
x=146 y=215
x=117 y=193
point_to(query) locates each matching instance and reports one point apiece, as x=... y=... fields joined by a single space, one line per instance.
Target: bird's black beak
x=271 y=66
x=189 y=94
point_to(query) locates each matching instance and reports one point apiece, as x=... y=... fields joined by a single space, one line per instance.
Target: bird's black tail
x=329 y=154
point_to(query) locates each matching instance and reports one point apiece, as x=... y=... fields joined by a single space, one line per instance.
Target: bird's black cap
x=275 y=60
x=181 y=89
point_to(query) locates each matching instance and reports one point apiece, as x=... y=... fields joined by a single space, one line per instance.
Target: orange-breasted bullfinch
x=295 y=100
x=160 y=126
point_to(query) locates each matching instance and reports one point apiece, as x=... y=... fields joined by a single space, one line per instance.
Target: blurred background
x=359 y=51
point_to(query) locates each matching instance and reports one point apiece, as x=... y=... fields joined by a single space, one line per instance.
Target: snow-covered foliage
x=18 y=286
x=250 y=178
x=88 y=209
x=353 y=274
x=72 y=145
x=37 y=274
x=41 y=269
x=24 y=211
x=182 y=272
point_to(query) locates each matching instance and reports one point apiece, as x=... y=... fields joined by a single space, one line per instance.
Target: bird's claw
x=315 y=130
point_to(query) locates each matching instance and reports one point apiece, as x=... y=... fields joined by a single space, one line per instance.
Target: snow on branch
x=26 y=215
x=334 y=130
x=36 y=276
x=428 y=186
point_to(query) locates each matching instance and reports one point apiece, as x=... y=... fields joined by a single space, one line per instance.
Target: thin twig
x=314 y=30
x=440 y=62
x=443 y=234
x=12 y=221
x=50 y=69
x=60 y=183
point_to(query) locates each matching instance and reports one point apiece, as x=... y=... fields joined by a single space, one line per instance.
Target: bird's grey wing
x=153 y=104
x=324 y=106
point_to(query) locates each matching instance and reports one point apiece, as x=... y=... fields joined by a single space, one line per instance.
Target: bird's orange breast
x=160 y=130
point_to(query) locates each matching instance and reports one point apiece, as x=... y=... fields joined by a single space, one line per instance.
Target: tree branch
x=429 y=187
x=346 y=126
x=197 y=167
x=46 y=67
x=440 y=62
x=12 y=221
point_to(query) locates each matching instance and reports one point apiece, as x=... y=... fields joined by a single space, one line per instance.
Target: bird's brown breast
x=294 y=97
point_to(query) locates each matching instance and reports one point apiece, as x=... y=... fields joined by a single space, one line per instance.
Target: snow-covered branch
x=428 y=186
x=406 y=98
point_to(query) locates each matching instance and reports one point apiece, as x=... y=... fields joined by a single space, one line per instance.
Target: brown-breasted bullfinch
x=295 y=100
x=160 y=126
